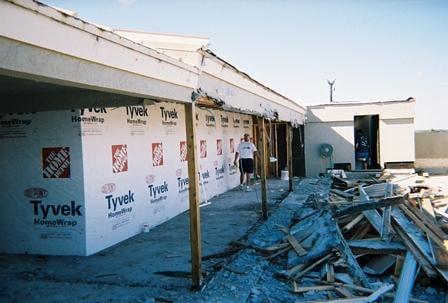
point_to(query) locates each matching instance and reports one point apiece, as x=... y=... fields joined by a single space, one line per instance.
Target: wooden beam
x=263 y=166
x=407 y=278
x=276 y=148
x=372 y=204
x=195 y=217
x=289 y=135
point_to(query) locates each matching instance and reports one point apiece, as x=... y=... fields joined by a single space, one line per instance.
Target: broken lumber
x=372 y=298
x=373 y=246
x=407 y=278
x=296 y=245
x=369 y=205
x=342 y=194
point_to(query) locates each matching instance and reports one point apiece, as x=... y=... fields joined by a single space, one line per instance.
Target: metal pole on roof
x=331 y=83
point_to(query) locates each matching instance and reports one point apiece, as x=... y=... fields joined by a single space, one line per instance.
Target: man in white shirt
x=245 y=151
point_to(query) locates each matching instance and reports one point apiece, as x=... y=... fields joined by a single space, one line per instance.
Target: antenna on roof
x=331 y=83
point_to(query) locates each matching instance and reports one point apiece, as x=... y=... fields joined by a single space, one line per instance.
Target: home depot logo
x=91 y=119
x=219 y=147
x=56 y=162
x=183 y=151
x=224 y=121
x=157 y=154
x=232 y=145
x=246 y=123
x=136 y=115
x=210 y=120
x=119 y=158
x=203 y=148
x=169 y=117
x=236 y=122
x=118 y=205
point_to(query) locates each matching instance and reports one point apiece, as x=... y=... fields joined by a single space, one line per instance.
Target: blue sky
x=376 y=50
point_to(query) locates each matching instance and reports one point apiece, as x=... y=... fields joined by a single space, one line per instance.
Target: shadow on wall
x=339 y=134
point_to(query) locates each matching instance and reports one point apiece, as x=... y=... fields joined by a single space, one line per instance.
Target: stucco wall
x=431 y=151
x=334 y=124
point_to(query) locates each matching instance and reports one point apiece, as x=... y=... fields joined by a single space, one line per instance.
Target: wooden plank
x=298 y=290
x=372 y=204
x=193 y=195
x=342 y=194
x=368 y=290
x=376 y=246
x=344 y=291
x=303 y=272
x=263 y=166
x=423 y=227
x=407 y=278
x=440 y=254
x=353 y=265
x=296 y=245
x=414 y=240
x=289 y=136
x=386 y=228
x=372 y=298
x=351 y=224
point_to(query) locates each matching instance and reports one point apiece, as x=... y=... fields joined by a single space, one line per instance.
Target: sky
x=376 y=50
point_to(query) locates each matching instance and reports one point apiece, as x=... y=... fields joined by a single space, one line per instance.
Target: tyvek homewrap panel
x=127 y=167
x=137 y=161
x=42 y=184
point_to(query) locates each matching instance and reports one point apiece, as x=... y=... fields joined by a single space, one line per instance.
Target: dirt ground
x=125 y=272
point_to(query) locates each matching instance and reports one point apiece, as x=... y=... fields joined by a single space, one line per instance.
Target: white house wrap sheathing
x=122 y=168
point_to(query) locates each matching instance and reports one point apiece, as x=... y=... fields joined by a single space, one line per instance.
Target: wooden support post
x=195 y=216
x=289 y=153
x=263 y=166
x=276 y=149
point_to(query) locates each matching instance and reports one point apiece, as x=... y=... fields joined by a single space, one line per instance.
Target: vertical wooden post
x=263 y=166
x=195 y=216
x=289 y=135
x=276 y=150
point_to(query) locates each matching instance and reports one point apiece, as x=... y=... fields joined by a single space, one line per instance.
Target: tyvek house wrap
x=134 y=168
x=42 y=197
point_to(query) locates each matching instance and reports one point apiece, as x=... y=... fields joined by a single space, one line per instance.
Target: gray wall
x=431 y=151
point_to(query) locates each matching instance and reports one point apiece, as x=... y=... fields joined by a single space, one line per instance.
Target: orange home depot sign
x=183 y=151
x=119 y=158
x=56 y=162
x=157 y=154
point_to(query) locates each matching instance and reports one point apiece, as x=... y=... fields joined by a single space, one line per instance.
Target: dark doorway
x=369 y=127
x=298 y=152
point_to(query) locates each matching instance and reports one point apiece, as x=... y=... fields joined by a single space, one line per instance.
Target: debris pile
x=367 y=239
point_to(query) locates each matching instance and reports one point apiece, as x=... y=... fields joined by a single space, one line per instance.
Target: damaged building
x=108 y=135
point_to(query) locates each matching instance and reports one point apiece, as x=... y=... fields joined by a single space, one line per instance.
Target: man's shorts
x=362 y=156
x=247 y=166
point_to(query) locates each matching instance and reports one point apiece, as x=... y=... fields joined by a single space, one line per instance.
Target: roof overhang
x=42 y=44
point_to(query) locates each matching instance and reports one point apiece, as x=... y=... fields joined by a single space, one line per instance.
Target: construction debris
x=349 y=245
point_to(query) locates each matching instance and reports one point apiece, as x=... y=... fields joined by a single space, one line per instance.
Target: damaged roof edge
x=350 y=103
x=213 y=55
x=61 y=15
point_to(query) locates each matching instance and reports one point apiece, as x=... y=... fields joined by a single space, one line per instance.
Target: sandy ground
x=125 y=272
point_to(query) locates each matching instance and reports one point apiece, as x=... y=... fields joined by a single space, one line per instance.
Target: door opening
x=367 y=157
